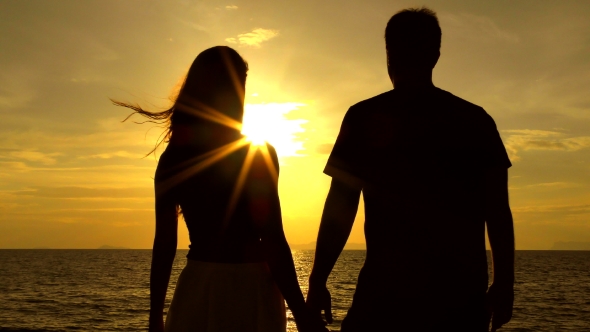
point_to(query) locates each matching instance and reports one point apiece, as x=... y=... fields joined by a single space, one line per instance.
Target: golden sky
x=72 y=175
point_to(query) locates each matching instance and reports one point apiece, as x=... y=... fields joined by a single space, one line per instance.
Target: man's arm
x=337 y=220
x=501 y=235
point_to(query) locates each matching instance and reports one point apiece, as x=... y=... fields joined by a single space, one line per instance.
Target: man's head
x=412 y=41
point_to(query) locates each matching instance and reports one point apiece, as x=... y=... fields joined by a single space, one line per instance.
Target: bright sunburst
x=268 y=123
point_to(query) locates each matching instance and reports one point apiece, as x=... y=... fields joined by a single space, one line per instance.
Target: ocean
x=108 y=290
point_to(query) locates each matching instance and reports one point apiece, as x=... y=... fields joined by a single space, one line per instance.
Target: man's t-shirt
x=420 y=158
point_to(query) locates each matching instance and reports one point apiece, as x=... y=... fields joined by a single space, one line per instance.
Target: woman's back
x=227 y=192
x=223 y=201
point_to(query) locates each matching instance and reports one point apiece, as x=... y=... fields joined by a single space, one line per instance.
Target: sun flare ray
x=206 y=112
x=245 y=169
x=270 y=164
x=197 y=164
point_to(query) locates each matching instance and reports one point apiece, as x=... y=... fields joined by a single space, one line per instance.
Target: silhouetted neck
x=412 y=80
x=412 y=83
x=414 y=89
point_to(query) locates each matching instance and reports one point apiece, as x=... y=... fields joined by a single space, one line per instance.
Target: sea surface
x=108 y=290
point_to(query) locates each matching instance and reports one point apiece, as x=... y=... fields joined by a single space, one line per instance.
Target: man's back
x=433 y=172
x=421 y=157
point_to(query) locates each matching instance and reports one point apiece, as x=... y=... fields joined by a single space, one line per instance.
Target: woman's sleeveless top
x=225 y=198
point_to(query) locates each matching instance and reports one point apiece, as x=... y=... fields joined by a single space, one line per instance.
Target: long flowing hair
x=212 y=91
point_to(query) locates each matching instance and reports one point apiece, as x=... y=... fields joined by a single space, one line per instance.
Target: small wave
x=10 y=329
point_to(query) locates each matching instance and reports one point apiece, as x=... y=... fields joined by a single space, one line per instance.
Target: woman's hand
x=307 y=322
x=156 y=324
x=318 y=300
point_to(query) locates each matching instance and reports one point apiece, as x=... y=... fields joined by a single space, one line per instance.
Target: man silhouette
x=433 y=172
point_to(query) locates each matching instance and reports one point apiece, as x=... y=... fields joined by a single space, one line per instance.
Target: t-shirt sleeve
x=494 y=152
x=345 y=161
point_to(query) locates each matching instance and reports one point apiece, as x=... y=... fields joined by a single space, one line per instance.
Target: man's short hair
x=413 y=30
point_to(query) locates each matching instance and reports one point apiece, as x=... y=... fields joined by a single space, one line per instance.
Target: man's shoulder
x=389 y=97
x=459 y=104
x=380 y=99
x=442 y=99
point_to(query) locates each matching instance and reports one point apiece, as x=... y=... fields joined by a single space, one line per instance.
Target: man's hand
x=156 y=323
x=337 y=220
x=318 y=299
x=500 y=300
x=306 y=321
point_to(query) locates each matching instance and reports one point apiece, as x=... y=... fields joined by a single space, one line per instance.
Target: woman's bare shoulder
x=273 y=155
x=168 y=159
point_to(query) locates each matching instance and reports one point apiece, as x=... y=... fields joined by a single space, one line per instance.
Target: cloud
x=103 y=210
x=254 y=38
x=553 y=185
x=14 y=166
x=100 y=51
x=85 y=192
x=560 y=209
x=231 y=7
x=120 y=154
x=35 y=156
x=475 y=27
x=127 y=137
x=325 y=148
x=274 y=123
x=528 y=139
x=548 y=186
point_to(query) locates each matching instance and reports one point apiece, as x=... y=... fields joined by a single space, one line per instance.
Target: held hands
x=500 y=300
x=318 y=300
x=156 y=326
x=156 y=323
x=307 y=322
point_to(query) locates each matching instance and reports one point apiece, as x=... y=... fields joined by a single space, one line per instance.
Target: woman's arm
x=281 y=265
x=163 y=254
x=276 y=248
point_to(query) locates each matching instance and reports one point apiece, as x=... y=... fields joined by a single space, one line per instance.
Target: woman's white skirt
x=215 y=297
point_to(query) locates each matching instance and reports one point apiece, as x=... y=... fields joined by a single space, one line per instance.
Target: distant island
x=111 y=247
x=311 y=246
x=571 y=245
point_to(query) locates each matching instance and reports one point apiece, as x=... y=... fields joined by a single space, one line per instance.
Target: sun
x=268 y=123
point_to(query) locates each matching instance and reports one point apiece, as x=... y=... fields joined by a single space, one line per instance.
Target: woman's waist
x=239 y=267
x=213 y=276
x=242 y=253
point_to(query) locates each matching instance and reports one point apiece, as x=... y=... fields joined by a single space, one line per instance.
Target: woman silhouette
x=239 y=266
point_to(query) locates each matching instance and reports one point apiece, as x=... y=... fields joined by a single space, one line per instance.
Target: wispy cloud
x=34 y=156
x=475 y=27
x=119 y=154
x=85 y=192
x=13 y=166
x=548 y=186
x=325 y=148
x=279 y=129
x=554 y=185
x=254 y=38
x=231 y=7
x=528 y=139
x=562 y=209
